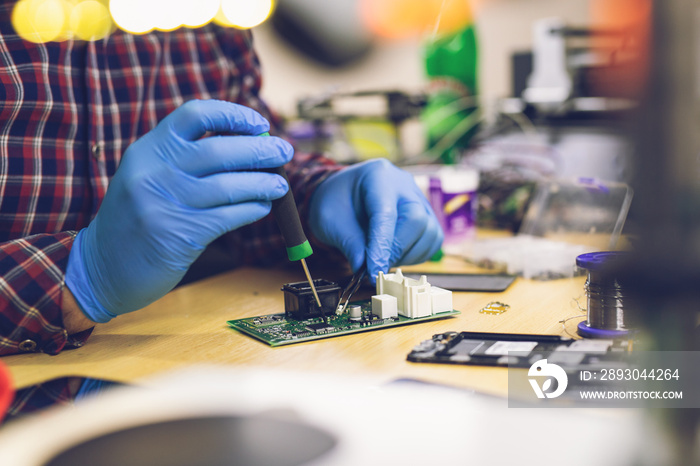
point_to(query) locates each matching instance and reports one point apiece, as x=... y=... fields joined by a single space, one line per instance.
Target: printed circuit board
x=279 y=330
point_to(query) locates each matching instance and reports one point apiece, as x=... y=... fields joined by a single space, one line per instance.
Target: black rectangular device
x=300 y=303
x=515 y=350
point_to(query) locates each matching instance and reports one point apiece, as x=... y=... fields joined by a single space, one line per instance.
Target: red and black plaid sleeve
x=30 y=293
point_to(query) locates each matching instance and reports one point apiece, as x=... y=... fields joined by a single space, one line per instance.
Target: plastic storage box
x=565 y=218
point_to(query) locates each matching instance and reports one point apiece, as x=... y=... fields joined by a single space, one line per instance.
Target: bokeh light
x=40 y=20
x=90 y=20
x=57 y=20
x=398 y=19
x=167 y=15
x=629 y=49
x=135 y=16
x=246 y=14
x=198 y=13
x=221 y=19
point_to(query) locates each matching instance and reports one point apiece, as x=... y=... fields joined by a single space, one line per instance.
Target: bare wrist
x=74 y=320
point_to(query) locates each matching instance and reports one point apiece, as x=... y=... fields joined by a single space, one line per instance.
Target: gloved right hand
x=172 y=195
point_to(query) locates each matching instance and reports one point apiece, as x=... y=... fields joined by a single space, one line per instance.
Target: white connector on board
x=385 y=306
x=415 y=298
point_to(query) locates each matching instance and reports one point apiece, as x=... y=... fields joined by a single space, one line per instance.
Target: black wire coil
x=607 y=302
x=610 y=306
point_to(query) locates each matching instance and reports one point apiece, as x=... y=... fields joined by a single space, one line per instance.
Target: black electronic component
x=320 y=327
x=267 y=320
x=300 y=303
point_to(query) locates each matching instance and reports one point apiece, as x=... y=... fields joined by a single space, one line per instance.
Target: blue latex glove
x=172 y=195
x=374 y=213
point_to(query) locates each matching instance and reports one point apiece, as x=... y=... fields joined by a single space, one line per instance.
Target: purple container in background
x=452 y=193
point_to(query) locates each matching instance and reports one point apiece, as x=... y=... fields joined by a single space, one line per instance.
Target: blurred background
x=504 y=27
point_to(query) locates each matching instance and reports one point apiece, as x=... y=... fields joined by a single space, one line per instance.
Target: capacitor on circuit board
x=355 y=312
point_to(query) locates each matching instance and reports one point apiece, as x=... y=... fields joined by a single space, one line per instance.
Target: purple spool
x=602 y=261
x=589 y=332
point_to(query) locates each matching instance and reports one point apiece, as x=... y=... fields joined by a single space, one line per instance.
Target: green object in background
x=437 y=257
x=451 y=117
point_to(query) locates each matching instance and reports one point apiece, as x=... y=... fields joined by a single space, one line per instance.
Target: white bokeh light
x=200 y=12
x=169 y=14
x=134 y=16
x=246 y=14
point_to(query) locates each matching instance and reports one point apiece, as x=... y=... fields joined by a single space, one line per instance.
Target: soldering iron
x=287 y=217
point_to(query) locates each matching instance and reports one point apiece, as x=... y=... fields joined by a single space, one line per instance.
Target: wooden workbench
x=188 y=327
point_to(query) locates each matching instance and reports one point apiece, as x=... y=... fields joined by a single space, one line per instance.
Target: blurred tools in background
x=566 y=218
x=357 y=125
x=447 y=107
x=563 y=120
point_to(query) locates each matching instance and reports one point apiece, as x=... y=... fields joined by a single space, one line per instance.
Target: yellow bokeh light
x=66 y=32
x=90 y=20
x=40 y=20
x=245 y=14
x=135 y=16
x=221 y=19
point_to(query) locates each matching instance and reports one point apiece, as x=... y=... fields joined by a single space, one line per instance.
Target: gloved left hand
x=374 y=213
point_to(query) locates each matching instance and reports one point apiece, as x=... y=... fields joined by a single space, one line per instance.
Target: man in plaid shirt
x=74 y=253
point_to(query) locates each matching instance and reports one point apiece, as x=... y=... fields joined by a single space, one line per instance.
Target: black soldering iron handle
x=285 y=211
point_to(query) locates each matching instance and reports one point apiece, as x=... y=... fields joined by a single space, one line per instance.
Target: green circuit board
x=278 y=330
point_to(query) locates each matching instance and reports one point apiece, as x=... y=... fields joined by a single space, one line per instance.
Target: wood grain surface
x=188 y=327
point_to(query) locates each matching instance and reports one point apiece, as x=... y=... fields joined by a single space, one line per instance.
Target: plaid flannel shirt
x=68 y=111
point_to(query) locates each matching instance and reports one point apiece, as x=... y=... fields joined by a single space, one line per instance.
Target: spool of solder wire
x=610 y=309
